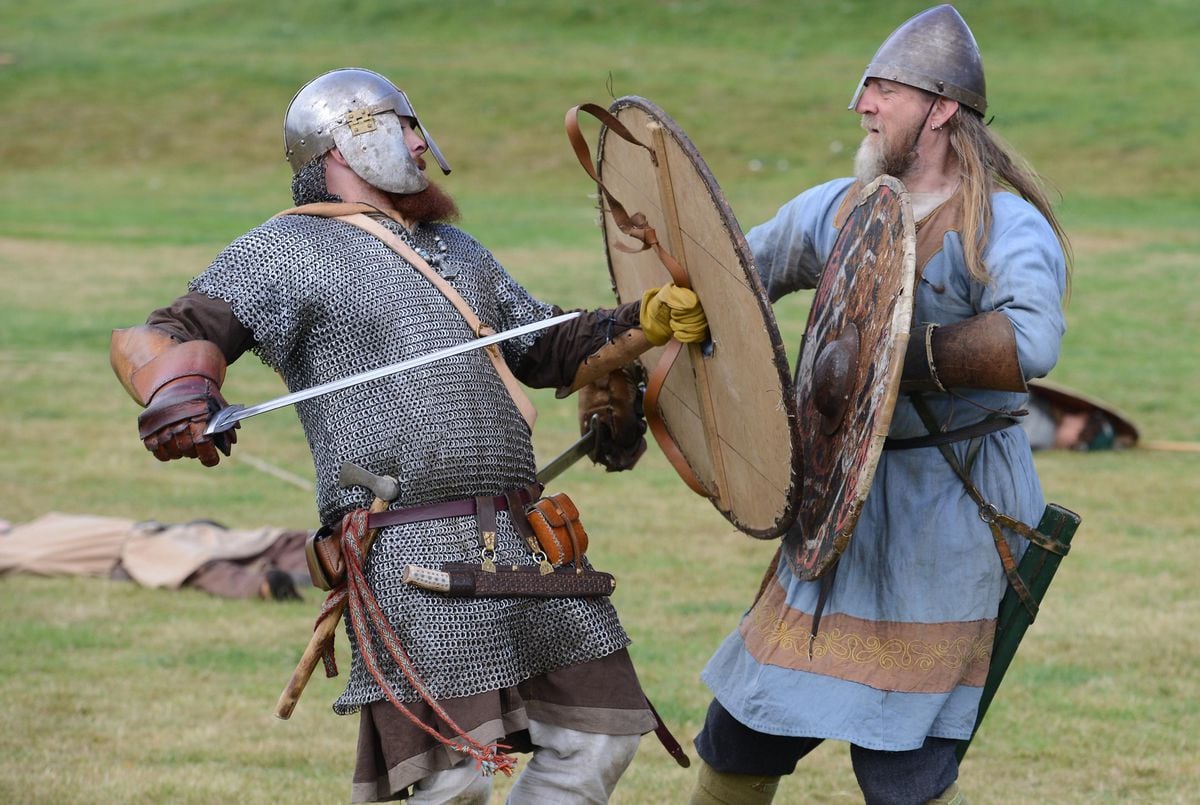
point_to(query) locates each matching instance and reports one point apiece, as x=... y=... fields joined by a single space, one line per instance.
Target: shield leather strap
x=848 y=373
x=721 y=412
x=356 y=215
x=636 y=227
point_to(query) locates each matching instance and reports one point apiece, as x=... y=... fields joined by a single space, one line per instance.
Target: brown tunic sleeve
x=555 y=357
x=194 y=317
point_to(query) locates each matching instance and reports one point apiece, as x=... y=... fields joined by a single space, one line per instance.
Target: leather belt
x=450 y=508
x=981 y=428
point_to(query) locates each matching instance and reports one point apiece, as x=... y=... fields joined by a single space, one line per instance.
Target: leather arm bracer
x=179 y=385
x=976 y=353
x=612 y=357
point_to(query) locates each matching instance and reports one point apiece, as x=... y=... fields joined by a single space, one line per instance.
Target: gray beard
x=870 y=162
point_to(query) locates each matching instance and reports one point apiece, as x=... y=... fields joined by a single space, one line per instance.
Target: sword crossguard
x=224 y=420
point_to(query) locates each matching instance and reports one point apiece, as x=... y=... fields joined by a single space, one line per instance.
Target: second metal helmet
x=351 y=106
x=934 y=51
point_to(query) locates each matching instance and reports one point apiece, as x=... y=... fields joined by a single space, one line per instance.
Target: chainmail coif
x=308 y=186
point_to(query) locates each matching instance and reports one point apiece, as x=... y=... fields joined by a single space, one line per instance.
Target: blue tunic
x=906 y=634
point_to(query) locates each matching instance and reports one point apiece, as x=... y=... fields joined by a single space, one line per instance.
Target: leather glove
x=172 y=425
x=672 y=311
x=615 y=401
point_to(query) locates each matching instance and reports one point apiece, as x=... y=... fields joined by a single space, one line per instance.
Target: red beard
x=428 y=206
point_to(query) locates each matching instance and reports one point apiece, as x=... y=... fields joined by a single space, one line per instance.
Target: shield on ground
x=1062 y=400
x=726 y=405
x=848 y=373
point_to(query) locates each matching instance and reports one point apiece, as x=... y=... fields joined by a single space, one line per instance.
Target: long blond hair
x=988 y=161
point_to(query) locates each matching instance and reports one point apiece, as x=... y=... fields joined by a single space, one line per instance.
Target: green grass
x=138 y=138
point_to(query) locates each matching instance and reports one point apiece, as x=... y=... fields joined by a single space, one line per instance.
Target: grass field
x=138 y=138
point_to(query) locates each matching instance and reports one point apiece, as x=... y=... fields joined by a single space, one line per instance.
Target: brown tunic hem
x=602 y=696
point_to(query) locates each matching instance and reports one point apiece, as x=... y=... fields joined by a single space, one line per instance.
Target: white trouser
x=567 y=767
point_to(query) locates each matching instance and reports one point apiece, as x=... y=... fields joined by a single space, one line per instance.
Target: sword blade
x=568 y=457
x=227 y=417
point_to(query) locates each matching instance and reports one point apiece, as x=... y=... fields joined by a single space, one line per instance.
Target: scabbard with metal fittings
x=472 y=581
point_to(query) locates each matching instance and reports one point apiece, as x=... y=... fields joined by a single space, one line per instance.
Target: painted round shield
x=728 y=404
x=848 y=373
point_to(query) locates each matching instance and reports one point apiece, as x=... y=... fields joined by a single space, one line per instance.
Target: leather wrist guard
x=612 y=357
x=145 y=359
x=976 y=353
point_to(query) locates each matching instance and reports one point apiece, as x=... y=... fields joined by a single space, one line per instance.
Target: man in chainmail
x=319 y=299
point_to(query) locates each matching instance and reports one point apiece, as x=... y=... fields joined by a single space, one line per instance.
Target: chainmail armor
x=324 y=300
x=308 y=185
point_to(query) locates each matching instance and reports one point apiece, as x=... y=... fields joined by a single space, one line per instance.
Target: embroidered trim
x=886 y=655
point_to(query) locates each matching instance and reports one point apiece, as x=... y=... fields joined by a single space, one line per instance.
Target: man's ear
x=943 y=111
x=336 y=156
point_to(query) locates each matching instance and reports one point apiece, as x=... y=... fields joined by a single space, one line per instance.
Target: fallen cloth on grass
x=264 y=562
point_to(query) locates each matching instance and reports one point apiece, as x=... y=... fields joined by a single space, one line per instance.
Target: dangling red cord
x=365 y=612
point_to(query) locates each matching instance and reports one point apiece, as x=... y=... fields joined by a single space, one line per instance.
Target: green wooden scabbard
x=1037 y=568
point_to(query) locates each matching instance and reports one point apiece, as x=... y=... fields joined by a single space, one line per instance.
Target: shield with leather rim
x=848 y=374
x=723 y=412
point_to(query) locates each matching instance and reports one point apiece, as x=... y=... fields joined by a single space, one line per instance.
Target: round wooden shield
x=728 y=404
x=848 y=374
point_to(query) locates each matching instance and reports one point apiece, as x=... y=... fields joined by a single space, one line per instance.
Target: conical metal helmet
x=934 y=51
x=350 y=106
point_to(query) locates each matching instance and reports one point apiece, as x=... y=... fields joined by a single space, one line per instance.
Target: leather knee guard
x=951 y=796
x=722 y=788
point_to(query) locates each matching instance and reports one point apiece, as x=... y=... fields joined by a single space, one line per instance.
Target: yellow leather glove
x=672 y=311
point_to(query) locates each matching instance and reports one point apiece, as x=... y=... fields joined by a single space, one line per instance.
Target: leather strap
x=996 y=521
x=524 y=404
x=357 y=215
x=637 y=227
x=667 y=739
x=990 y=424
x=485 y=522
x=451 y=508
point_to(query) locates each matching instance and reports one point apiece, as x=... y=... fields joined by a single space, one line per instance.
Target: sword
x=582 y=446
x=227 y=417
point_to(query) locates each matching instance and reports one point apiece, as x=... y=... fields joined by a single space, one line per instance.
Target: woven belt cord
x=366 y=613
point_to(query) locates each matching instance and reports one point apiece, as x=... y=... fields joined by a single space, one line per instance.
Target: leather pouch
x=323 y=553
x=555 y=523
